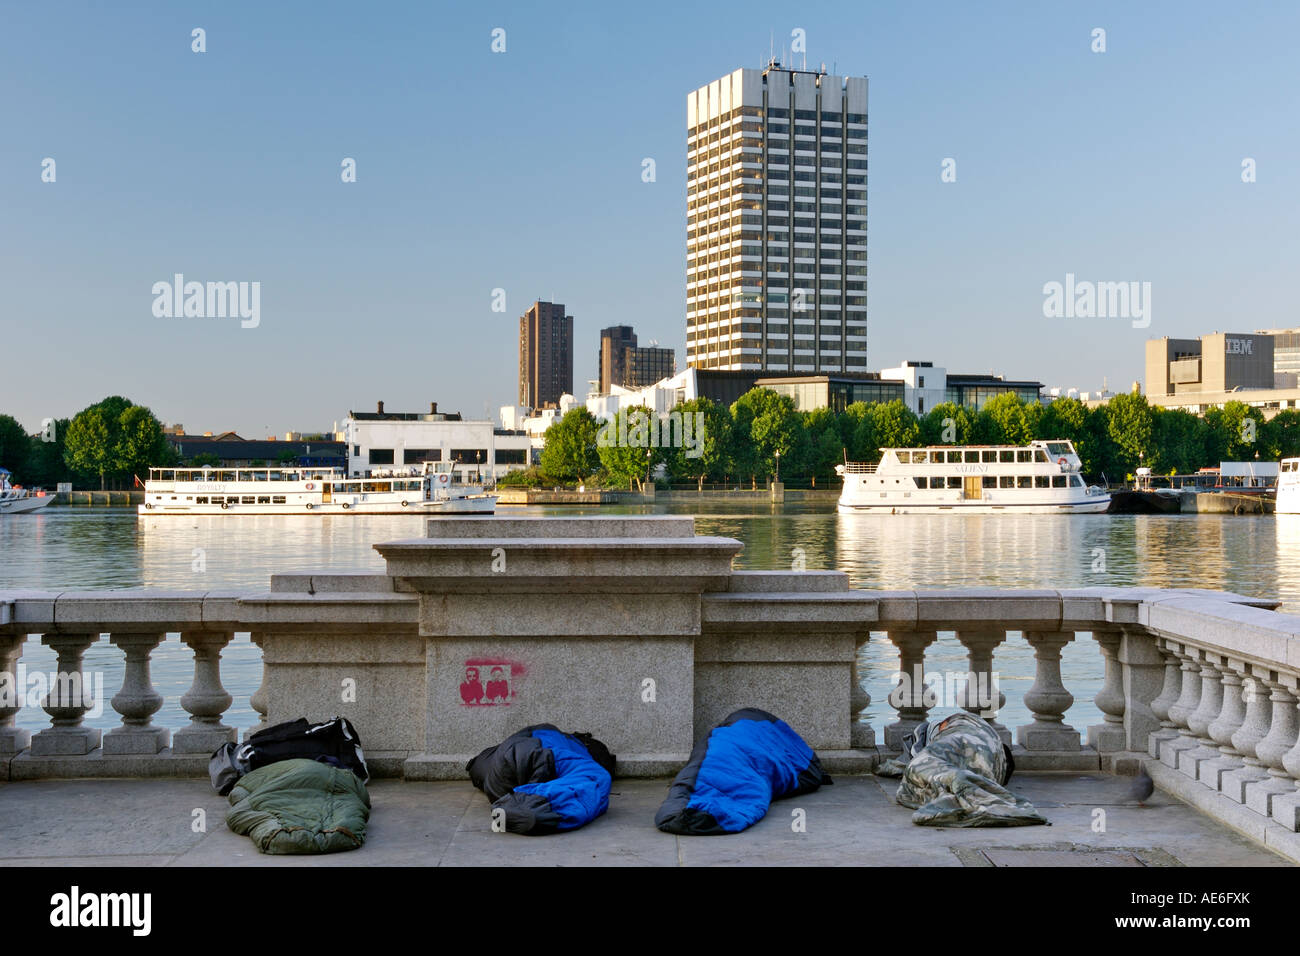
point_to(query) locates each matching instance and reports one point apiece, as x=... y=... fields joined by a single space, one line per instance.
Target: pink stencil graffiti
x=489 y=682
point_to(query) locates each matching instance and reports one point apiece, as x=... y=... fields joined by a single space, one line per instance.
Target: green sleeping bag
x=300 y=806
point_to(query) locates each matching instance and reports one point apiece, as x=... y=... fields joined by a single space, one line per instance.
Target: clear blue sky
x=522 y=171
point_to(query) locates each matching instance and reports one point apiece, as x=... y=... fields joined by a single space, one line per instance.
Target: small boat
x=1039 y=478
x=432 y=489
x=18 y=500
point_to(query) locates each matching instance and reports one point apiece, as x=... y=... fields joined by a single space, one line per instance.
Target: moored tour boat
x=1288 y=487
x=315 y=491
x=1041 y=478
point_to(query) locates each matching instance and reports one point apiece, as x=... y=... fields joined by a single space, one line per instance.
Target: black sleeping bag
x=745 y=762
x=545 y=780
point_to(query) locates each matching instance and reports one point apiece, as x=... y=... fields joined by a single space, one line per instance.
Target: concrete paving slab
x=855 y=822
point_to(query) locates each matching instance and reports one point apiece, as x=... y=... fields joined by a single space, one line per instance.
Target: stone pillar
x=1247 y=737
x=909 y=697
x=1169 y=694
x=862 y=735
x=67 y=701
x=1142 y=667
x=981 y=681
x=258 y=700
x=1280 y=739
x=1222 y=729
x=206 y=700
x=1108 y=736
x=1198 y=722
x=1047 y=699
x=137 y=701
x=12 y=740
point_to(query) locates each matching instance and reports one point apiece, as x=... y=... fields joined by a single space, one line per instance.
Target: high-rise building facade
x=613 y=341
x=624 y=363
x=545 y=355
x=776 y=222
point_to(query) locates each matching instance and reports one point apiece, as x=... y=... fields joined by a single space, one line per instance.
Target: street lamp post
x=778 y=466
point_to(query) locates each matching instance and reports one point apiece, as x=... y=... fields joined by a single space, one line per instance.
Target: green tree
x=627 y=449
x=570 y=452
x=1007 y=420
x=710 y=458
x=1178 y=442
x=141 y=443
x=89 y=445
x=763 y=423
x=1234 y=432
x=15 y=448
x=1281 y=435
x=947 y=424
x=825 y=446
x=1129 y=428
x=896 y=426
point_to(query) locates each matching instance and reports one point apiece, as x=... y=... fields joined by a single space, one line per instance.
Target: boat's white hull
x=14 y=506
x=1288 y=500
x=474 y=504
x=1092 y=505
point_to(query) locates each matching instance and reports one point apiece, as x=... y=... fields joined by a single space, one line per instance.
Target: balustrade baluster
x=12 y=739
x=1252 y=732
x=1108 y=736
x=67 y=701
x=258 y=699
x=981 y=695
x=137 y=701
x=1232 y=714
x=909 y=696
x=862 y=736
x=1198 y=722
x=1182 y=709
x=206 y=700
x=1286 y=806
x=1047 y=699
x=1169 y=694
x=1281 y=737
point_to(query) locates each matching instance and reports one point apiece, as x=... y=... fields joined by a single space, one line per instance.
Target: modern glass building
x=776 y=222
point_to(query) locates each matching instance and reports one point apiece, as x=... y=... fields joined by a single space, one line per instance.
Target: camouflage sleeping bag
x=954 y=772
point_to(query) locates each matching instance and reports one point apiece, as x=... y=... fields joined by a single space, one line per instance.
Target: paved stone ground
x=853 y=823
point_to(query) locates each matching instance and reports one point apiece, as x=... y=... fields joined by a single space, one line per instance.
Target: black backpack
x=334 y=742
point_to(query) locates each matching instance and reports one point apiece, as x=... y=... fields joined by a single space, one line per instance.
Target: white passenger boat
x=1288 y=487
x=434 y=489
x=19 y=500
x=1041 y=478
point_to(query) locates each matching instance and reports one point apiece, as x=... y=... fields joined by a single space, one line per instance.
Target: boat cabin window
x=1007 y=456
x=1040 y=454
x=954 y=483
x=989 y=456
x=920 y=457
x=249 y=499
x=904 y=457
x=1042 y=481
x=201 y=500
x=1058 y=481
x=990 y=481
x=1076 y=481
x=1007 y=481
x=972 y=456
x=263 y=499
x=921 y=482
x=1024 y=481
x=277 y=499
x=1024 y=455
x=1058 y=448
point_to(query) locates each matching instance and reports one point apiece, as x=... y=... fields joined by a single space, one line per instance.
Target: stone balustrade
x=640 y=631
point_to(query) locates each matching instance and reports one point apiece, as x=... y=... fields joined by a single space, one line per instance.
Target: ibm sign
x=1239 y=346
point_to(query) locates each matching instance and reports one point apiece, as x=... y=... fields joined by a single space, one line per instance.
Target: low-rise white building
x=382 y=440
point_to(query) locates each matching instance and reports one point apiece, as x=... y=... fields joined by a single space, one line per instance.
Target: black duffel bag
x=334 y=742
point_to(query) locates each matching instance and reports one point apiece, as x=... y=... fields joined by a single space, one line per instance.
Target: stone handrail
x=642 y=632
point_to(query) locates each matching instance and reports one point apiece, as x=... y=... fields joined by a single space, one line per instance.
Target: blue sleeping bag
x=734 y=774
x=545 y=780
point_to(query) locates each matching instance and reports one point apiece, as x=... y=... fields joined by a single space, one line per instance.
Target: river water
x=82 y=549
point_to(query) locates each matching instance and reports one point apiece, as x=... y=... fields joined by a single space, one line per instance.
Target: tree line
x=107 y=443
x=744 y=442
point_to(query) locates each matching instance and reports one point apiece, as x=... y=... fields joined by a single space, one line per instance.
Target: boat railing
x=1202 y=687
x=859 y=468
